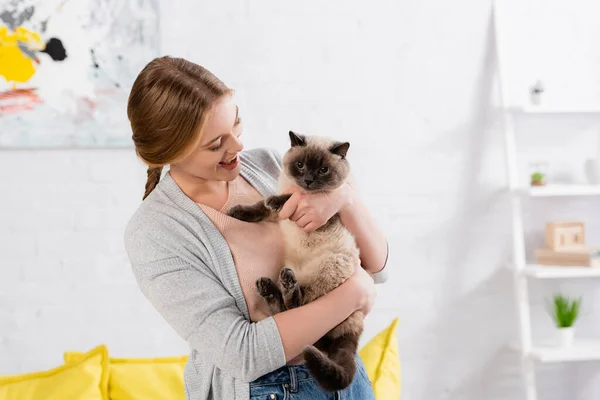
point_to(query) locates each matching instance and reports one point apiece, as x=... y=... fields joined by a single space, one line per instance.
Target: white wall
x=410 y=85
x=65 y=281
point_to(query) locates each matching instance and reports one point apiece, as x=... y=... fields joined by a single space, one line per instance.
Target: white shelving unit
x=557 y=190
x=555 y=110
x=558 y=272
x=582 y=350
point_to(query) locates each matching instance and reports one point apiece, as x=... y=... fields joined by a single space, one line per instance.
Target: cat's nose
x=308 y=181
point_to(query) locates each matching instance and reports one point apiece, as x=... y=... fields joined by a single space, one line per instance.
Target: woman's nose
x=237 y=145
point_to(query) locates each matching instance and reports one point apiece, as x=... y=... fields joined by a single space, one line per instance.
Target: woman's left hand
x=310 y=211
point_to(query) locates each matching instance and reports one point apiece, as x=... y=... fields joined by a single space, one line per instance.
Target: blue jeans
x=295 y=383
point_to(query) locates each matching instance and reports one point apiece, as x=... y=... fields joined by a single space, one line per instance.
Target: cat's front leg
x=253 y=213
x=272 y=294
x=276 y=202
x=292 y=295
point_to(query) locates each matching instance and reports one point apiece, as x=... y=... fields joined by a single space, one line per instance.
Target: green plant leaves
x=537 y=176
x=564 y=311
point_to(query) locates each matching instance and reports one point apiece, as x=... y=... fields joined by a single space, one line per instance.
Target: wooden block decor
x=585 y=257
x=565 y=246
x=565 y=235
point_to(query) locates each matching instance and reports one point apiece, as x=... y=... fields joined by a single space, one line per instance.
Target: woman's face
x=216 y=156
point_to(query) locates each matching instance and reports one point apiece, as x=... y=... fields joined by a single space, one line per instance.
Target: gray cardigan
x=184 y=267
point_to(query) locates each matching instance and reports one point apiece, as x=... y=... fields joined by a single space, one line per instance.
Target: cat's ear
x=297 y=140
x=341 y=149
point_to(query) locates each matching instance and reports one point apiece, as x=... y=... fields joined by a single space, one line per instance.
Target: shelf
x=582 y=350
x=555 y=190
x=558 y=272
x=555 y=110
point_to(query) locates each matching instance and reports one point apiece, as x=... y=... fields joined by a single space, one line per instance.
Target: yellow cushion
x=382 y=362
x=144 y=378
x=84 y=379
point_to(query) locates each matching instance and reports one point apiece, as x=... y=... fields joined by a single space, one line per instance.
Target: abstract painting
x=66 y=67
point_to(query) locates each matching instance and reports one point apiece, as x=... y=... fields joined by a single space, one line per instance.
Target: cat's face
x=316 y=164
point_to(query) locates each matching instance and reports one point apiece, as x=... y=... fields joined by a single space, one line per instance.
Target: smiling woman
x=199 y=267
x=169 y=103
x=214 y=161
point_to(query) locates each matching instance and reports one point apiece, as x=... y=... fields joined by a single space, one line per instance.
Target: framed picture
x=67 y=67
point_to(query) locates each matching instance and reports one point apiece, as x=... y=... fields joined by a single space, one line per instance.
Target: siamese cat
x=316 y=262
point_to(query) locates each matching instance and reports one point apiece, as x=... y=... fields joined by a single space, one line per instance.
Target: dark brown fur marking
x=275 y=203
x=292 y=294
x=271 y=293
x=312 y=159
x=283 y=296
x=324 y=343
x=253 y=213
x=335 y=372
x=259 y=211
x=297 y=140
x=341 y=149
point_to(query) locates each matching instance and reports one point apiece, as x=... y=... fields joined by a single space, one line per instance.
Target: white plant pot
x=565 y=336
x=536 y=99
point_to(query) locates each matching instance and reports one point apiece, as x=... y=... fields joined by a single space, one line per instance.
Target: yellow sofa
x=94 y=375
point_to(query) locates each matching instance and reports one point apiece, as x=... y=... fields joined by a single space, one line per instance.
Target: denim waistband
x=291 y=375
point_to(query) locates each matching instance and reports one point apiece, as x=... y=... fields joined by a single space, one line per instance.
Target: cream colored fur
x=321 y=260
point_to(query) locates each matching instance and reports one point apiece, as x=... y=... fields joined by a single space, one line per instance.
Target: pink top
x=262 y=256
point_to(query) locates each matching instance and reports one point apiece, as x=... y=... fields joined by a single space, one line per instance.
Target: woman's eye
x=238 y=121
x=300 y=164
x=217 y=147
x=323 y=170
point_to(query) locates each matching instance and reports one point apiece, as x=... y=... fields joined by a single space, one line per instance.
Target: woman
x=198 y=267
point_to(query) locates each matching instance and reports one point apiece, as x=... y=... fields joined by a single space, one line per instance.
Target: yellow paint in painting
x=16 y=66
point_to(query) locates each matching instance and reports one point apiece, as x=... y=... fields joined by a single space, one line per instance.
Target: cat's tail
x=331 y=374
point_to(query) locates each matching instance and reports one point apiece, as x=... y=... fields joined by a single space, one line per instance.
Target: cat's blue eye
x=323 y=170
x=299 y=164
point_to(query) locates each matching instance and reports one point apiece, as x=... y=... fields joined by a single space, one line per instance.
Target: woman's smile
x=231 y=164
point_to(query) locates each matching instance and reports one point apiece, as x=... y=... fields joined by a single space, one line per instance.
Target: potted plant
x=564 y=311
x=538 y=179
x=537 y=173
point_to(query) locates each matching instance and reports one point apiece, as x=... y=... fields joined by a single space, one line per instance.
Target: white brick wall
x=65 y=280
x=409 y=84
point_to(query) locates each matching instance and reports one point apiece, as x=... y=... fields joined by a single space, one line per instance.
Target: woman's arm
x=369 y=237
x=206 y=315
x=299 y=327
x=310 y=211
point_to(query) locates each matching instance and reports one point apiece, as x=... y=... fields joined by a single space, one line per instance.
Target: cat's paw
x=275 y=203
x=244 y=213
x=288 y=279
x=266 y=288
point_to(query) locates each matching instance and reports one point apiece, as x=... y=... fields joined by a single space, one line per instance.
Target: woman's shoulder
x=262 y=158
x=149 y=229
x=161 y=226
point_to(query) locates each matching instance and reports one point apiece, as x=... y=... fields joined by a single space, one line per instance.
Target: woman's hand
x=364 y=289
x=310 y=211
